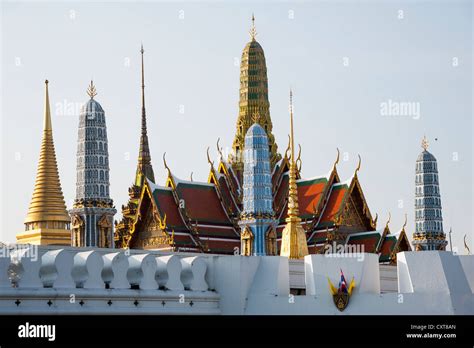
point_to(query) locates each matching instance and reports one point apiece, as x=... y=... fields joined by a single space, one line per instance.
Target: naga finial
x=337 y=158
x=191 y=176
x=405 y=223
x=374 y=222
x=298 y=159
x=389 y=218
x=358 y=165
x=166 y=165
x=209 y=158
x=466 y=247
x=219 y=149
x=288 y=147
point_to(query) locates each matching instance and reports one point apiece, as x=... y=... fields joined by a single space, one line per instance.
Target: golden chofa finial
x=358 y=165
x=298 y=162
x=253 y=31
x=91 y=91
x=219 y=149
x=337 y=158
x=209 y=157
x=388 y=221
x=425 y=143
x=166 y=164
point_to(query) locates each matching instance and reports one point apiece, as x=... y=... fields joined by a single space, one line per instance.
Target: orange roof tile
x=309 y=195
x=334 y=203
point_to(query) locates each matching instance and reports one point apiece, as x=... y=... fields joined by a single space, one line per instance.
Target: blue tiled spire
x=257 y=218
x=93 y=209
x=429 y=233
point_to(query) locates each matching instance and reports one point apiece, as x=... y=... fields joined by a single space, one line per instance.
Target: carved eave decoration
x=138 y=216
x=355 y=187
x=402 y=239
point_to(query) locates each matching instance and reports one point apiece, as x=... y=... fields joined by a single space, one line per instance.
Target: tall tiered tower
x=257 y=222
x=144 y=168
x=253 y=100
x=93 y=211
x=429 y=233
x=144 y=171
x=293 y=238
x=47 y=221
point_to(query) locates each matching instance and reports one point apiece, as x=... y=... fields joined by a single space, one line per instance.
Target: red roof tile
x=166 y=204
x=226 y=195
x=367 y=241
x=202 y=203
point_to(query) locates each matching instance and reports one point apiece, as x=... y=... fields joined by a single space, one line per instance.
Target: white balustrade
x=87 y=269
x=23 y=270
x=4 y=264
x=114 y=272
x=194 y=272
x=55 y=270
x=168 y=273
x=141 y=271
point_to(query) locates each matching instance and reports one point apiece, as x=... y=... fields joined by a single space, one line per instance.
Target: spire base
x=293 y=239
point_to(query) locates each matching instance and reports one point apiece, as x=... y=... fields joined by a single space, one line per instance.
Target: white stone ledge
x=96 y=301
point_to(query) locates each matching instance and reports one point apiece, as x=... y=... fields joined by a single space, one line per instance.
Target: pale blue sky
x=190 y=62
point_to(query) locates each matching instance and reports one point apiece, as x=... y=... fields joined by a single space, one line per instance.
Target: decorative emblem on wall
x=342 y=294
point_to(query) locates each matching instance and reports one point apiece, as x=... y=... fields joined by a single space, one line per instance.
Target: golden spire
x=47 y=221
x=144 y=168
x=425 y=143
x=253 y=31
x=253 y=98
x=293 y=209
x=293 y=244
x=91 y=91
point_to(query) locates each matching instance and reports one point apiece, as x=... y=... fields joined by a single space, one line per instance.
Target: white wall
x=430 y=282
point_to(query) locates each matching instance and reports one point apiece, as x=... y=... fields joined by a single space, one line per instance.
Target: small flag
x=342 y=284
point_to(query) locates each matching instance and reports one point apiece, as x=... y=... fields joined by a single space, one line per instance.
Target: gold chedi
x=47 y=221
